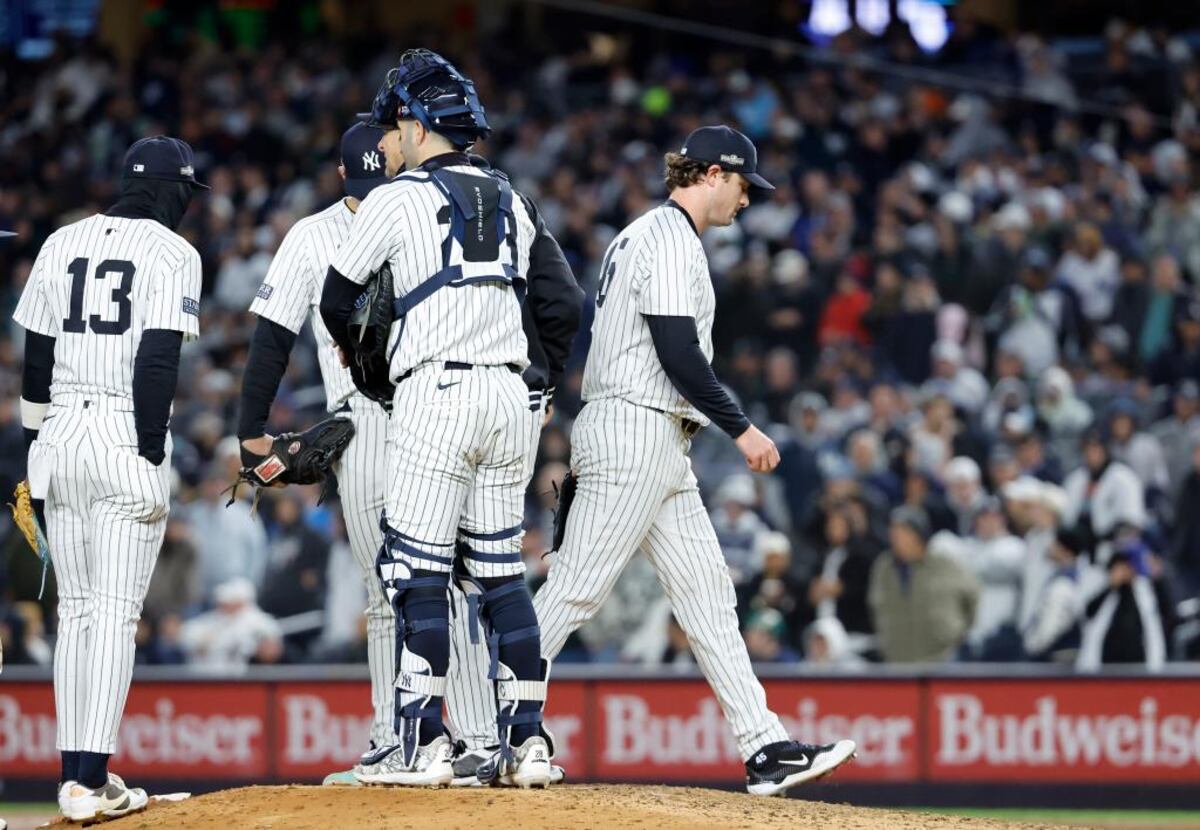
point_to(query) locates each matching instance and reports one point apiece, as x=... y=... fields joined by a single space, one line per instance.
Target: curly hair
x=683 y=171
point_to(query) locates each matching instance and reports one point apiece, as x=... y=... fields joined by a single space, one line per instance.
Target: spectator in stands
x=1182 y=360
x=866 y=454
x=922 y=602
x=997 y=559
x=963 y=385
x=839 y=587
x=174 y=588
x=1131 y=619
x=1185 y=542
x=1103 y=495
x=1065 y=415
x=1052 y=631
x=230 y=541
x=1139 y=451
x=235 y=633
x=827 y=645
x=764 y=633
x=737 y=525
x=964 y=492
x=294 y=583
x=774 y=584
x=1092 y=271
x=1178 y=432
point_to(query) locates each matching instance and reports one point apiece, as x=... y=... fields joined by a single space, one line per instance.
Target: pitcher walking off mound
x=107 y=305
x=649 y=387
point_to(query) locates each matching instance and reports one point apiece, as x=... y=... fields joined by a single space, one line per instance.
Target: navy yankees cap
x=728 y=149
x=161 y=157
x=362 y=159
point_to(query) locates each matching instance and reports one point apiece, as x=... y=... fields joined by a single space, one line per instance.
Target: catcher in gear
x=297 y=457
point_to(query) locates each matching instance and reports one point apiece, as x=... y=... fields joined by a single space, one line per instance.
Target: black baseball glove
x=298 y=457
x=370 y=327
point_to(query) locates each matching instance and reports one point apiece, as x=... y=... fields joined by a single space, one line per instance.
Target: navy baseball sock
x=70 y=765
x=510 y=612
x=93 y=769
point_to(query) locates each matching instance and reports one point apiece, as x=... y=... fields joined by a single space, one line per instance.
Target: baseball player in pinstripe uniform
x=649 y=387
x=288 y=295
x=550 y=318
x=458 y=244
x=107 y=306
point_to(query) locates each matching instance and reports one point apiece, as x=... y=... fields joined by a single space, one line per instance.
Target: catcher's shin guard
x=419 y=598
x=419 y=694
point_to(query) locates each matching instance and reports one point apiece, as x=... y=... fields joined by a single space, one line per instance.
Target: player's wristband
x=32 y=414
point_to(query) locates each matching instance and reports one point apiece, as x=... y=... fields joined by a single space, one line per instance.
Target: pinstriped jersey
x=96 y=285
x=655 y=266
x=291 y=291
x=405 y=223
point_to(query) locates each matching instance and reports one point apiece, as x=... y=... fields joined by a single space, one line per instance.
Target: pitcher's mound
x=569 y=806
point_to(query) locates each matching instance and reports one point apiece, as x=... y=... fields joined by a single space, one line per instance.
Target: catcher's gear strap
x=477 y=597
x=566 y=496
x=521 y=690
x=396 y=541
x=457 y=270
x=490 y=547
x=421 y=684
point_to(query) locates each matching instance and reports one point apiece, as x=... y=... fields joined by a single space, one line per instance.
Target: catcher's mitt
x=25 y=514
x=370 y=327
x=297 y=457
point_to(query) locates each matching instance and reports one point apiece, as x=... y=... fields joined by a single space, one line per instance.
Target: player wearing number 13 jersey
x=108 y=303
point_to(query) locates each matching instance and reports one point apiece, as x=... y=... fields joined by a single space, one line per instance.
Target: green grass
x=1110 y=818
x=26 y=808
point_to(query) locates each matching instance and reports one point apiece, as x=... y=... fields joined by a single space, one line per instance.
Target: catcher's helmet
x=427 y=87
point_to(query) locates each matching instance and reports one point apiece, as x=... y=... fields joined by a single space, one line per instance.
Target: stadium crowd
x=971 y=324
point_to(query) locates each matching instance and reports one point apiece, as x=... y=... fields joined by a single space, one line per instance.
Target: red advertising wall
x=1079 y=730
x=1065 y=731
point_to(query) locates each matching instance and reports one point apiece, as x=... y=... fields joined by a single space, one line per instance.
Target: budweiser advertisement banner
x=1066 y=731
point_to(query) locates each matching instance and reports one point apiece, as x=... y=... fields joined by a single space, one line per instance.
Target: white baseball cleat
x=776 y=767
x=430 y=766
x=532 y=764
x=80 y=803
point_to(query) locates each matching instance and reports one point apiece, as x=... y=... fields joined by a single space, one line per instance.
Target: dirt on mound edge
x=601 y=806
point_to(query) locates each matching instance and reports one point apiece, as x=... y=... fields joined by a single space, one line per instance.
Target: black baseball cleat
x=778 y=766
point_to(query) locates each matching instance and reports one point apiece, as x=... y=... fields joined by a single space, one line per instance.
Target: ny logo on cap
x=370 y=160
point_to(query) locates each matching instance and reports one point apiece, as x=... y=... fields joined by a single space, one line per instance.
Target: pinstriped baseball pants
x=362 y=483
x=636 y=490
x=106 y=514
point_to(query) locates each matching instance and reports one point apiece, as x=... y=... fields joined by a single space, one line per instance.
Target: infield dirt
x=586 y=806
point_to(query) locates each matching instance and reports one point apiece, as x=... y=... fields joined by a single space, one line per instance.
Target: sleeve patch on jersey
x=265 y=291
x=191 y=306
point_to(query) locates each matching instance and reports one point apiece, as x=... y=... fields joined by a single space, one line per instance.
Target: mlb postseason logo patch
x=191 y=306
x=265 y=291
x=359 y=304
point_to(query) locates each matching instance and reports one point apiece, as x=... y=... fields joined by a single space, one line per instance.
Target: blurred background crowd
x=968 y=315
